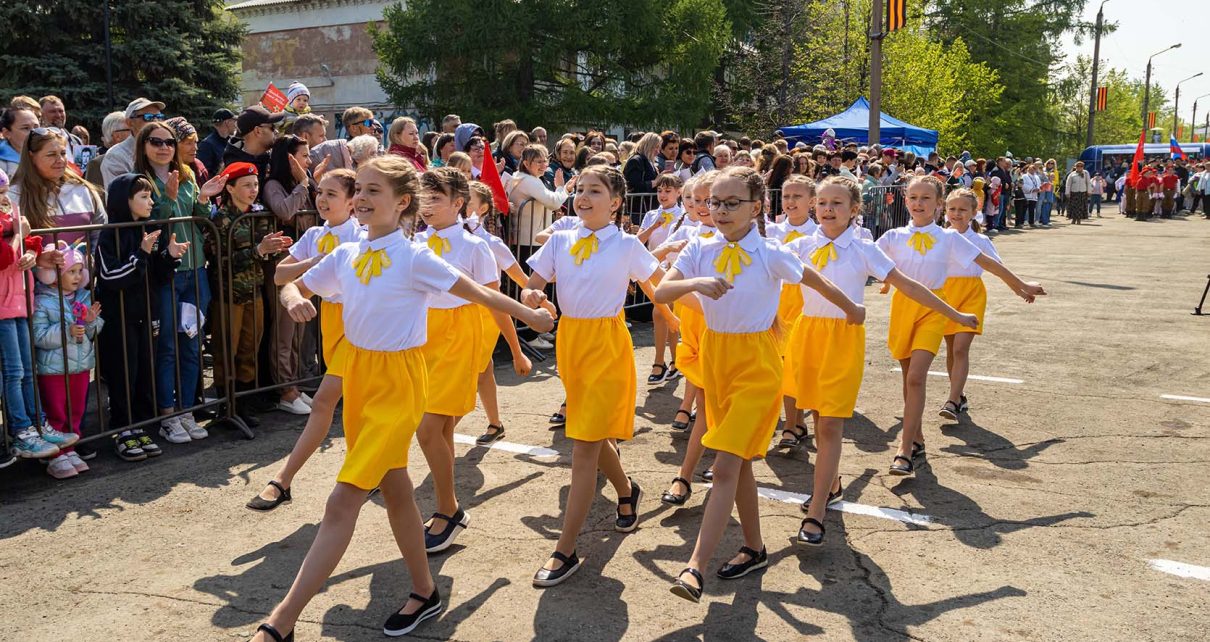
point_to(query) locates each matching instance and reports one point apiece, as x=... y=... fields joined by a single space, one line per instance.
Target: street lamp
x=1193 y=119
x=1096 y=59
x=1176 y=102
x=1147 y=84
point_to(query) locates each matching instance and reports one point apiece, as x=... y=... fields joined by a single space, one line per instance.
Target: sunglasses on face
x=369 y=122
x=161 y=142
x=147 y=118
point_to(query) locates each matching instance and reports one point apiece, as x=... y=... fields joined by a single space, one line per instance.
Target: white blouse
x=466 y=252
x=596 y=287
x=985 y=245
x=855 y=260
x=932 y=267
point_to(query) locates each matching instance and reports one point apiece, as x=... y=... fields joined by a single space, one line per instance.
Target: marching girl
x=593 y=265
x=964 y=290
x=480 y=211
x=797 y=198
x=656 y=226
x=682 y=230
x=828 y=354
x=334 y=200
x=738 y=277
x=454 y=354
x=924 y=252
x=383 y=277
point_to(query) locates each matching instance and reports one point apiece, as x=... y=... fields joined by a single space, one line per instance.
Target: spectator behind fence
x=476 y=148
x=210 y=149
x=534 y=205
x=509 y=155
x=186 y=148
x=298 y=103
x=134 y=264
x=50 y=193
x=255 y=134
x=15 y=125
x=640 y=171
x=113 y=131
x=404 y=137
x=65 y=324
x=182 y=302
x=120 y=158
x=443 y=147
x=18 y=252
x=562 y=161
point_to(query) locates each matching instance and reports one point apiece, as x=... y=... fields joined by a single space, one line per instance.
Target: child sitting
x=298 y=102
x=65 y=354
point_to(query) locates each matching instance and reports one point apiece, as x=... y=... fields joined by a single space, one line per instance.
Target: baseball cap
x=142 y=103
x=255 y=116
x=223 y=114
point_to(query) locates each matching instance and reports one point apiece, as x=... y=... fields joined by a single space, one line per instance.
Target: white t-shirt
x=504 y=256
x=667 y=219
x=308 y=244
x=596 y=287
x=856 y=260
x=984 y=244
x=466 y=252
x=932 y=267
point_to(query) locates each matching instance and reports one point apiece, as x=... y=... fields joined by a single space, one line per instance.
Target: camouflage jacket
x=234 y=251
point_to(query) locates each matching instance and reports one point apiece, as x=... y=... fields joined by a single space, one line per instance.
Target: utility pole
x=1176 y=102
x=108 y=60
x=876 y=36
x=1193 y=119
x=1147 y=84
x=1096 y=61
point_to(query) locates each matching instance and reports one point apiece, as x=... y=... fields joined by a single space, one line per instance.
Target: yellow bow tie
x=584 y=248
x=707 y=235
x=794 y=234
x=666 y=219
x=371 y=264
x=921 y=242
x=326 y=243
x=822 y=255
x=732 y=261
x=439 y=245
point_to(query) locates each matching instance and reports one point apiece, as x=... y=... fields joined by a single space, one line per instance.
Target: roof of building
x=252 y=4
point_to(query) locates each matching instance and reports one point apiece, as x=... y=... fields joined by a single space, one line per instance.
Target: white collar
x=750 y=241
x=603 y=234
x=388 y=241
x=844 y=240
x=928 y=229
x=453 y=231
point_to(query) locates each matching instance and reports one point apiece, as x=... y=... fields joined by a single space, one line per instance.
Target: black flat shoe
x=627 y=523
x=657 y=379
x=261 y=504
x=683 y=589
x=833 y=498
x=707 y=475
x=681 y=426
x=808 y=538
x=964 y=405
x=399 y=624
x=950 y=410
x=917 y=450
x=797 y=433
x=756 y=561
x=677 y=499
x=546 y=578
x=558 y=418
x=902 y=469
x=494 y=433
x=454 y=524
x=275 y=634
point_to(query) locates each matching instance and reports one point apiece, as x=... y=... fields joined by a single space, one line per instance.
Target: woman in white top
x=532 y=204
x=1076 y=188
x=1031 y=185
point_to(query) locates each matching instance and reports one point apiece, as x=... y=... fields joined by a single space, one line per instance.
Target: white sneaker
x=60 y=468
x=76 y=462
x=306 y=398
x=295 y=407
x=172 y=430
x=540 y=343
x=194 y=431
x=547 y=336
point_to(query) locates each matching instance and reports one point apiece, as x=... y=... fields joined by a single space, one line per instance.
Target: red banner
x=273 y=99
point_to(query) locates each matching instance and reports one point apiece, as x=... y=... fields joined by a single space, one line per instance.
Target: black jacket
x=210 y=152
x=129 y=279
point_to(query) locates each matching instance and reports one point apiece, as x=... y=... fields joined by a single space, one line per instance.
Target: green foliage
x=184 y=53
x=554 y=62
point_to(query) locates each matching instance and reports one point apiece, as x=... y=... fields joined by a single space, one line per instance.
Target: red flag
x=1133 y=177
x=273 y=99
x=490 y=176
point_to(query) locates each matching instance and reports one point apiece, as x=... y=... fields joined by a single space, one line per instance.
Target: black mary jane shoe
x=454 y=524
x=756 y=561
x=261 y=504
x=559 y=418
x=546 y=578
x=683 y=589
x=275 y=634
x=833 y=498
x=681 y=426
x=494 y=433
x=707 y=475
x=677 y=499
x=673 y=373
x=657 y=379
x=798 y=435
x=807 y=538
x=627 y=523
x=399 y=624
x=903 y=469
x=917 y=450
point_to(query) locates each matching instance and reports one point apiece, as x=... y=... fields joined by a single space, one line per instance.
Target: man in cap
x=120 y=158
x=255 y=133
x=210 y=150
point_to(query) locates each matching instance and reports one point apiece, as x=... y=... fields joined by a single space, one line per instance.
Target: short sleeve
x=962 y=251
x=429 y=273
x=504 y=257
x=305 y=247
x=985 y=244
x=784 y=265
x=324 y=277
x=884 y=243
x=483 y=264
x=641 y=263
x=877 y=263
x=800 y=247
x=649 y=219
x=688 y=260
x=542 y=262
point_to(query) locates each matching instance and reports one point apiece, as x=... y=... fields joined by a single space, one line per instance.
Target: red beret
x=236 y=171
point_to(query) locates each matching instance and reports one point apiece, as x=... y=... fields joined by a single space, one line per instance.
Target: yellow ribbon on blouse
x=666 y=219
x=921 y=242
x=732 y=261
x=371 y=264
x=707 y=235
x=439 y=245
x=793 y=235
x=326 y=243
x=584 y=248
x=822 y=255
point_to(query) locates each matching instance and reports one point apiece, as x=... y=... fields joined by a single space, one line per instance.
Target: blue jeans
x=1096 y=202
x=1046 y=202
x=181 y=290
x=18 y=373
x=1000 y=223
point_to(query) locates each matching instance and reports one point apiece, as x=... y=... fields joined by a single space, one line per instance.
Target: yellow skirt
x=453 y=353
x=913 y=326
x=332 y=331
x=491 y=332
x=688 y=360
x=968 y=295
x=384 y=395
x=596 y=364
x=789 y=309
x=828 y=357
x=743 y=391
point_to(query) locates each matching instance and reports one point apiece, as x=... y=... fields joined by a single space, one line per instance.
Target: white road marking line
x=1184 y=398
x=1180 y=569
x=981 y=378
x=847 y=507
x=536 y=451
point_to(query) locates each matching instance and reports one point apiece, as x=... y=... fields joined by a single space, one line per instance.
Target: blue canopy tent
x=853 y=124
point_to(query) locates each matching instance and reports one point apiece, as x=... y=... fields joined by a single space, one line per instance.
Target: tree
x=184 y=53
x=554 y=62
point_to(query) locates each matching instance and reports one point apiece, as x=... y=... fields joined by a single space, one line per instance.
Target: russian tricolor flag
x=1175 y=149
